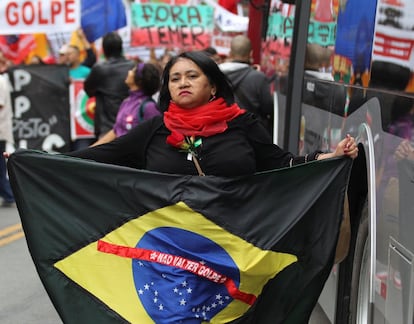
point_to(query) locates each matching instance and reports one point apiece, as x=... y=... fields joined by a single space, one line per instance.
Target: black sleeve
x=266 y=98
x=128 y=150
x=90 y=84
x=270 y=156
x=90 y=59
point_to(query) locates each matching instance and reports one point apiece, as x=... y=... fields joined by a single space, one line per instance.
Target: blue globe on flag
x=187 y=274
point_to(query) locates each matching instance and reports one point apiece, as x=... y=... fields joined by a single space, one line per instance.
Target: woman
x=202 y=131
x=143 y=81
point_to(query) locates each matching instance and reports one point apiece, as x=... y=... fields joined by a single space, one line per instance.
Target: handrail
x=275 y=118
x=372 y=211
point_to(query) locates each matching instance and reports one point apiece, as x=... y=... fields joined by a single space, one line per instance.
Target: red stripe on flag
x=194 y=267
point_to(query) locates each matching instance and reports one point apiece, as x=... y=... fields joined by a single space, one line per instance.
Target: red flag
x=16 y=47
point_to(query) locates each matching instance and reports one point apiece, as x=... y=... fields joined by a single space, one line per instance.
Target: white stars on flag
x=164 y=292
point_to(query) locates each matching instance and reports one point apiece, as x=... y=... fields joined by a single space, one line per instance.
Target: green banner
x=322 y=33
x=162 y=15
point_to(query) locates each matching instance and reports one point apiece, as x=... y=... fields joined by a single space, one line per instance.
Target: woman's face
x=129 y=80
x=189 y=87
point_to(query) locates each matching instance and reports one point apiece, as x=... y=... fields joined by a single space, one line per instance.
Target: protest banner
x=41 y=16
x=82 y=112
x=221 y=41
x=227 y=21
x=40 y=100
x=159 y=24
x=320 y=32
x=393 y=37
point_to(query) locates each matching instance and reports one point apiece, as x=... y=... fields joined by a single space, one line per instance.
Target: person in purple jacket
x=143 y=81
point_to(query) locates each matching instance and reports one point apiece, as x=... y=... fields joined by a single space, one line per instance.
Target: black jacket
x=251 y=89
x=106 y=83
x=244 y=148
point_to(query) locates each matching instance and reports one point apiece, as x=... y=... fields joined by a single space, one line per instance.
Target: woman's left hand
x=347 y=147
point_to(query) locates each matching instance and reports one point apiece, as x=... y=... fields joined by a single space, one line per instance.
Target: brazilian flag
x=118 y=245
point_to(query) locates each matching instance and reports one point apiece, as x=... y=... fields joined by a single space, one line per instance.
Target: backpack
x=142 y=108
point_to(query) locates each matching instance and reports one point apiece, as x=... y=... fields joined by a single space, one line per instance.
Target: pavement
x=8 y=216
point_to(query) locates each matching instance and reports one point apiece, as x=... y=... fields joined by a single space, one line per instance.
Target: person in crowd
x=106 y=83
x=212 y=52
x=76 y=69
x=251 y=86
x=63 y=58
x=320 y=93
x=318 y=61
x=90 y=58
x=402 y=126
x=143 y=82
x=163 y=60
x=202 y=131
x=5 y=64
x=37 y=60
x=6 y=136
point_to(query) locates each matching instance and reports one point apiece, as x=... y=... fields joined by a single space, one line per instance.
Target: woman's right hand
x=6 y=155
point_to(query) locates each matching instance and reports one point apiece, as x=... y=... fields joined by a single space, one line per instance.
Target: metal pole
x=296 y=73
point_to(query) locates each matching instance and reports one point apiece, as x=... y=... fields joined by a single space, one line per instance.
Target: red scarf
x=206 y=120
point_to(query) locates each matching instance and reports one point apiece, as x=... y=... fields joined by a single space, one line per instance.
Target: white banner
x=394 y=37
x=41 y=16
x=226 y=20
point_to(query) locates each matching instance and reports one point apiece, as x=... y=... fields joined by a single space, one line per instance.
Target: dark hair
x=112 y=45
x=39 y=59
x=209 y=68
x=387 y=75
x=147 y=77
x=401 y=107
x=210 y=51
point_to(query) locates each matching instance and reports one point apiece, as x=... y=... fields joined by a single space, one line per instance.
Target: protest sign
x=159 y=24
x=82 y=112
x=41 y=16
x=40 y=100
x=393 y=37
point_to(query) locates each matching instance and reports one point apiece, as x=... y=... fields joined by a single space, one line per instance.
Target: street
x=23 y=298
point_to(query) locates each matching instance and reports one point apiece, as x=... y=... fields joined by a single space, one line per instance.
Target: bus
x=366 y=89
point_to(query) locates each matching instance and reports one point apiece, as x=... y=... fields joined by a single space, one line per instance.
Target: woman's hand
x=404 y=151
x=6 y=155
x=347 y=147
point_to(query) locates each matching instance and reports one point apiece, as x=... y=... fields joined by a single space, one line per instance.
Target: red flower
x=184 y=143
x=176 y=139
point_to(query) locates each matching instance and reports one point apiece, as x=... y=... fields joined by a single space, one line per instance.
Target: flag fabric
x=16 y=47
x=118 y=245
x=101 y=17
